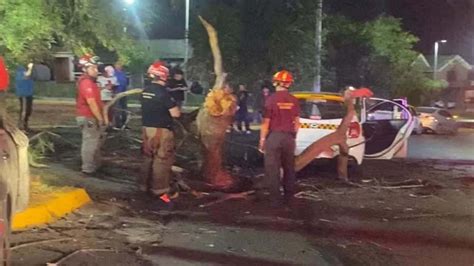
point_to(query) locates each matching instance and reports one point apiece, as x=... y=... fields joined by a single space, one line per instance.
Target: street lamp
x=186 y=34
x=435 y=67
x=128 y=3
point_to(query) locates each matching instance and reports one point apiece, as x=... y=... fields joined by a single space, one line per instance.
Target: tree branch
x=216 y=53
x=116 y=98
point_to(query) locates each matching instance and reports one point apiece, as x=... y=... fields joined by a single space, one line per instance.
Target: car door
x=14 y=168
x=387 y=125
x=446 y=121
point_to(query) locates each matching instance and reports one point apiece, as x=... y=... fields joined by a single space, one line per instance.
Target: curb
x=54 y=206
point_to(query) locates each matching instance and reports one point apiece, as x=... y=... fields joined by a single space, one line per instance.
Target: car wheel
x=429 y=130
x=419 y=130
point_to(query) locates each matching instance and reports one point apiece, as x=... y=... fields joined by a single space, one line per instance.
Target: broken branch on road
x=29 y=244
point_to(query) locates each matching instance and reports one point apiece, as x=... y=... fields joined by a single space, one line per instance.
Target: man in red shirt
x=90 y=117
x=277 y=137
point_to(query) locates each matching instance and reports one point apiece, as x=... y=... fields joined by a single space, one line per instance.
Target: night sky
x=430 y=20
x=433 y=20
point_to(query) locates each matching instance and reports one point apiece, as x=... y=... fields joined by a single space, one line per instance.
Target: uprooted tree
x=214 y=118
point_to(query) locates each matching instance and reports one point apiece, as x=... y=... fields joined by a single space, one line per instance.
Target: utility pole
x=435 y=65
x=317 y=42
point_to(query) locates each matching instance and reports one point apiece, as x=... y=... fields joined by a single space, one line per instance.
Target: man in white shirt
x=107 y=83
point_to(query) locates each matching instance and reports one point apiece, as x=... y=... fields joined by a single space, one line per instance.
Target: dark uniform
x=158 y=139
x=242 y=113
x=282 y=109
x=176 y=89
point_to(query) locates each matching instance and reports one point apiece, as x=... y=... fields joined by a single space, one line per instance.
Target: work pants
x=242 y=117
x=280 y=153
x=93 y=137
x=26 y=108
x=121 y=113
x=159 y=151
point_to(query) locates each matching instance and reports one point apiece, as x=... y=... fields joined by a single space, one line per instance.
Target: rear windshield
x=425 y=110
x=322 y=109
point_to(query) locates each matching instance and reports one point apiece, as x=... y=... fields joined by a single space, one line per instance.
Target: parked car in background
x=437 y=120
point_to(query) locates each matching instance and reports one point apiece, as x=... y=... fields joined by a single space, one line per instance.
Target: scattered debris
x=379 y=245
x=229 y=196
x=309 y=195
x=64 y=259
x=426 y=215
x=29 y=244
x=328 y=221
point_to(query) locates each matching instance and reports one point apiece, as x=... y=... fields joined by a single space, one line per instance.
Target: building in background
x=63 y=66
x=458 y=75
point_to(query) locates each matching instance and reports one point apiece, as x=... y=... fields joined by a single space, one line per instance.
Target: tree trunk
x=317 y=42
x=214 y=118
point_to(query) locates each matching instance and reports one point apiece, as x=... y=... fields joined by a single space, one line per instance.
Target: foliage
x=226 y=21
x=378 y=54
x=30 y=30
x=40 y=146
x=219 y=103
x=292 y=43
x=256 y=38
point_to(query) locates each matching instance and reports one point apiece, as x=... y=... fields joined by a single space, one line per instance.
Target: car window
x=381 y=106
x=445 y=113
x=322 y=109
x=425 y=110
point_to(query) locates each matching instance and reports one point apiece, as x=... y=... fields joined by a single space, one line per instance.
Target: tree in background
x=257 y=37
x=378 y=54
x=30 y=30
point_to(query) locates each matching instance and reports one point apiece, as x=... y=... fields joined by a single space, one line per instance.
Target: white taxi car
x=370 y=134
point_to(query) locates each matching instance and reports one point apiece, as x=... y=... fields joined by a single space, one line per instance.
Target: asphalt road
x=445 y=147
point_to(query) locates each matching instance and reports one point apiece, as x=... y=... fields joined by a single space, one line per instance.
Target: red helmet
x=88 y=60
x=283 y=78
x=159 y=70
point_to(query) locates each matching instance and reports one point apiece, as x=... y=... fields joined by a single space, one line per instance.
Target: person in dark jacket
x=242 y=113
x=158 y=111
x=177 y=87
x=24 y=91
x=259 y=105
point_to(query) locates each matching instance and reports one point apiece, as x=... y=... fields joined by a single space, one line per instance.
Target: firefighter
x=277 y=138
x=158 y=111
x=90 y=117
